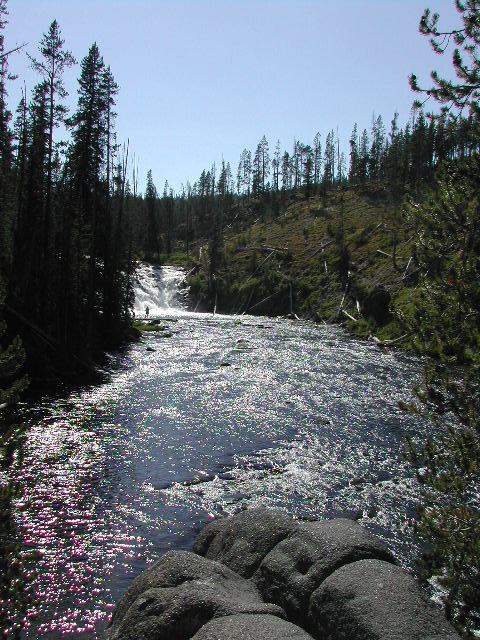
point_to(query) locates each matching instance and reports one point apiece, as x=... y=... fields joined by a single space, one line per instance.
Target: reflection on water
x=226 y=413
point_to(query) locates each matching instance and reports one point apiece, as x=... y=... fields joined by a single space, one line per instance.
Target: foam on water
x=161 y=289
x=226 y=413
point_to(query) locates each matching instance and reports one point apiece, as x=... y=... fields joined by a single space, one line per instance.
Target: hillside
x=354 y=248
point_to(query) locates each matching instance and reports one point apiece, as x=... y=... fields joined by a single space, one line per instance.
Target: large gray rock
x=290 y=573
x=251 y=627
x=178 y=595
x=173 y=568
x=375 y=600
x=243 y=540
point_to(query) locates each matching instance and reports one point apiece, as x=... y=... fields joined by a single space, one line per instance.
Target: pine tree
x=354 y=158
x=51 y=68
x=329 y=161
x=276 y=166
x=317 y=160
x=363 y=158
x=168 y=208
x=446 y=329
x=455 y=96
x=286 y=171
x=153 y=237
x=296 y=165
x=240 y=175
x=257 y=171
x=6 y=211
x=377 y=149
x=307 y=163
x=265 y=162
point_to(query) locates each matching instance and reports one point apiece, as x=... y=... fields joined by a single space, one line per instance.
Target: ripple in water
x=302 y=418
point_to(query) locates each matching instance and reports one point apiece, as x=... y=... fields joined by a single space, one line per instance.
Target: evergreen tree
x=168 y=208
x=6 y=210
x=329 y=160
x=257 y=171
x=446 y=329
x=247 y=172
x=377 y=149
x=307 y=162
x=463 y=93
x=354 y=158
x=265 y=162
x=240 y=175
x=296 y=165
x=276 y=166
x=317 y=159
x=153 y=237
x=363 y=158
x=286 y=171
x=51 y=68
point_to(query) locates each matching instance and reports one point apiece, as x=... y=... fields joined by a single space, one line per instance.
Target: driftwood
x=190 y=272
x=406 y=268
x=263 y=248
x=349 y=316
x=249 y=299
x=258 y=268
x=340 y=308
x=389 y=255
x=322 y=248
x=389 y=343
x=412 y=273
x=277 y=249
x=261 y=302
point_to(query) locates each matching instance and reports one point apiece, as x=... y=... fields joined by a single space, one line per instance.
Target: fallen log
x=349 y=316
x=383 y=344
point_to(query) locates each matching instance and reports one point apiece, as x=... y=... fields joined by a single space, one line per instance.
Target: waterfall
x=161 y=289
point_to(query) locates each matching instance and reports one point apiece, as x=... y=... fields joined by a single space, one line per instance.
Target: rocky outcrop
x=295 y=567
x=261 y=575
x=368 y=600
x=251 y=627
x=179 y=594
x=242 y=541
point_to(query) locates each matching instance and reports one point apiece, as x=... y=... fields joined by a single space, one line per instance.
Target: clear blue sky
x=200 y=79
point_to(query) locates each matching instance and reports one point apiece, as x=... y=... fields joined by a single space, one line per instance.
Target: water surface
x=226 y=413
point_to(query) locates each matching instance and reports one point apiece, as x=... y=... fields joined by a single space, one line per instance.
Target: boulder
x=375 y=600
x=290 y=573
x=243 y=540
x=175 y=597
x=251 y=627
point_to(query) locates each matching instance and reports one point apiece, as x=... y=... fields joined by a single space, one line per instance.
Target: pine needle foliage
x=446 y=324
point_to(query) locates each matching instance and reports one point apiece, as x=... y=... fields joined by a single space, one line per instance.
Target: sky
x=200 y=80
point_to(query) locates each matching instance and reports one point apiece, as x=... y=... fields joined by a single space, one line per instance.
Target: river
x=226 y=412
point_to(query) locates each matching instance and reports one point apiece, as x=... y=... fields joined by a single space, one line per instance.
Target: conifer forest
x=297 y=231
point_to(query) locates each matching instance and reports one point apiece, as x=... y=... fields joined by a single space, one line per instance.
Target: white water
x=161 y=289
x=212 y=415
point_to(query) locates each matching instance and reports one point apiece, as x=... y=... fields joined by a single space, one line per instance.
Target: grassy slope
x=309 y=236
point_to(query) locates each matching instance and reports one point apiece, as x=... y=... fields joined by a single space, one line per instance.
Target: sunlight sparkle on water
x=303 y=419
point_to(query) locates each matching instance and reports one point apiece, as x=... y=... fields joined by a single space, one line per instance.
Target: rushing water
x=225 y=413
